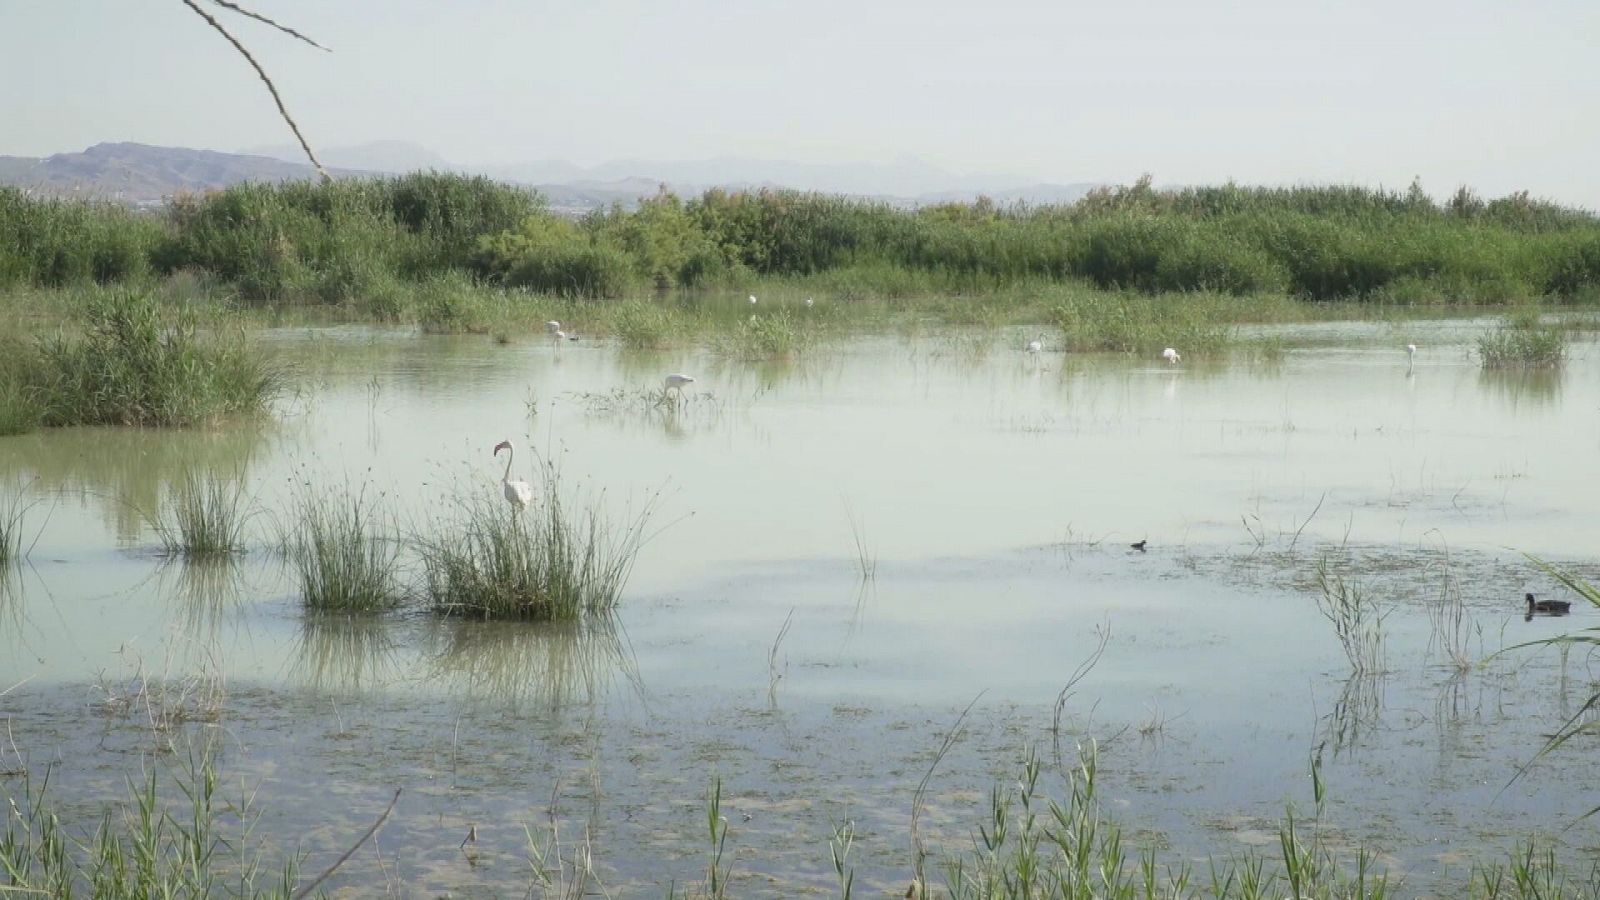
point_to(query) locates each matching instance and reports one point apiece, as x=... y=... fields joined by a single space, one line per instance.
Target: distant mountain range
x=143 y=175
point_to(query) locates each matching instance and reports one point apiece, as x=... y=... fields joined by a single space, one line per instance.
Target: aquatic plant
x=135 y=366
x=204 y=515
x=766 y=336
x=172 y=836
x=339 y=549
x=554 y=561
x=1356 y=619
x=1523 y=341
x=1137 y=323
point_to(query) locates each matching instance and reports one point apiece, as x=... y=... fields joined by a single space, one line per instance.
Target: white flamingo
x=552 y=326
x=1171 y=356
x=1411 y=352
x=518 y=493
x=675 y=382
x=1035 y=346
x=810 y=303
x=752 y=299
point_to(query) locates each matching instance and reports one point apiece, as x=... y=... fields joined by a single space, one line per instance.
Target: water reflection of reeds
x=341 y=653
x=1356 y=714
x=1518 y=387
x=205 y=591
x=549 y=664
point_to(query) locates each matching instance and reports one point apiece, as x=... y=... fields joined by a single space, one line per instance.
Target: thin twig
x=271 y=88
x=260 y=18
x=306 y=891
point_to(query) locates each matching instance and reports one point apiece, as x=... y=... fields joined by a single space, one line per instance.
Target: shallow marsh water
x=997 y=491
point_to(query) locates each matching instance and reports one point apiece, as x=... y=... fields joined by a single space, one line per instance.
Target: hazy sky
x=1499 y=95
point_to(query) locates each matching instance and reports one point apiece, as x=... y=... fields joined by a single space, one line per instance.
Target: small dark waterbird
x=1139 y=546
x=1548 y=607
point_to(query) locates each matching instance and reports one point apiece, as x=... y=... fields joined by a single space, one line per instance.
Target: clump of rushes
x=344 y=560
x=642 y=326
x=134 y=366
x=549 y=562
x=1523 y=341
x=205 y=516
x=1126 y=322
x=767 y=336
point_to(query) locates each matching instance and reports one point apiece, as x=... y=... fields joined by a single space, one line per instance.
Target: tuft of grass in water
x=1356 y=619
x=551 y=562
x=205 y=516
x=1523 y=341
x=133 y=365
x=643 y=326
x=767 y=336
x=20 y=413
x=1126 y=322
x=866 y=560
x=344 y=561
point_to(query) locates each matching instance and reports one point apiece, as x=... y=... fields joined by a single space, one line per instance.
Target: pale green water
x=998 y=492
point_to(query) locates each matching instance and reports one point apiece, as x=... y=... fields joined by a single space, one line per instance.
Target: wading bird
x=1036 y=345
x=752 y=299
x=1139 y=545
x=675 y=382
x=1170 y=355
x=518 y=493
x=552 y=326
x=1549 y=607
x=810 y=303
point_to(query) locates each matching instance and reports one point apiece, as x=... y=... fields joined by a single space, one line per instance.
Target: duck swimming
x=1549 y=607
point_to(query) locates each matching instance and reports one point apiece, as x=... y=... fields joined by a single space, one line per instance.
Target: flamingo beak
x=503 y=445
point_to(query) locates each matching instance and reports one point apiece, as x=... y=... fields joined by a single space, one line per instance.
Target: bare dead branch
x=260 y=18
x=306 y=891
x=271 y=88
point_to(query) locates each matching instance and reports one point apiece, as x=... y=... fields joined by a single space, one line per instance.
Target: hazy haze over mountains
x=144 y=175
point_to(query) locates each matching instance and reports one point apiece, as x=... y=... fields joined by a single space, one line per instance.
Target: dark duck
x=1547 y=607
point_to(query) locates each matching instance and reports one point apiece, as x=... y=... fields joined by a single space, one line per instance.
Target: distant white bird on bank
x=675 y=382
x=1035 y=346
x=518 y=493
x=752 y=299
x=810 y=303
x=1171 y=356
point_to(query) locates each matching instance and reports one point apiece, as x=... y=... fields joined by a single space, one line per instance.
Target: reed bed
x=1524 y=341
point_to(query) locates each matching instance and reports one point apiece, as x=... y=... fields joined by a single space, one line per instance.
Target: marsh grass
x=135 y=365
x=343 y=551
x=1124 y=322
x=558 y=559
x=1356 y=618
x=172 y=834
x=1452 y=628
x=1524 y=341
x=204 y=515
x=866 y=560
x=779 y=335
x=14 y=508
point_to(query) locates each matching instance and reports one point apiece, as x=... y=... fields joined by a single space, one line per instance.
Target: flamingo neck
x=510 y=452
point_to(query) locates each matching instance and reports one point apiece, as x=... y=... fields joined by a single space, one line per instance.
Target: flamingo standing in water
x=752 y=299
x=675 y=382
x=1035 y=346
x=1411 y=356
x=518 y=493
x=1171 y=356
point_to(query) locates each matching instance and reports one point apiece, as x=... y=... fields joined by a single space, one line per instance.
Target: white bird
x=518 y=493
x=1170 y=355
x=552 y=326
x=559 y=335
x=1411 y=351
x=810 y=303
x=752 y=299
x=1035 y=346
x=675 y=382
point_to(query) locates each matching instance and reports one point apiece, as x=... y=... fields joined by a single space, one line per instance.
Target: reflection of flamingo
x=518 y=493
x=1170 y=355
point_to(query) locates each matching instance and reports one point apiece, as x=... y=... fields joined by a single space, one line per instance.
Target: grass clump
x=135 y=366
x=1356 y=619
x=1524 y=341
x=642 y=326
x=1124 y=322
x=550 y=562
x=767 y=336
x=205 y=516
x=344 y=561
